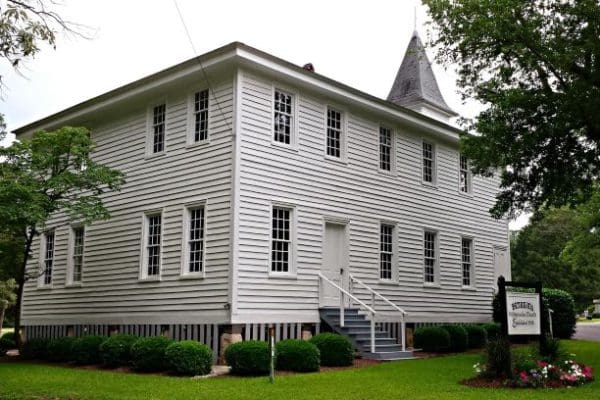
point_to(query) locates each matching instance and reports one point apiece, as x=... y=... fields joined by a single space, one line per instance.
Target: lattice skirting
x=282 y=331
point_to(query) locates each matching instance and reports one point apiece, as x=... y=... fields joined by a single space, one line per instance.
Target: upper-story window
x=281 y=239
x=77 y=254
x=283 y=117
x=48 y=260
x=385 y=149
x=152 y=246
x=158 y=128
x=334 y=133
x=465 y=175
x=386 y=251
x=195 y=240
x=467 y=262
x=428 y=162
x=200 y=116
x=430 y=256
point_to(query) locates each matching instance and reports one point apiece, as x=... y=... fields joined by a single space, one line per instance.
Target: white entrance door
x=501 y=264
x=334 y=260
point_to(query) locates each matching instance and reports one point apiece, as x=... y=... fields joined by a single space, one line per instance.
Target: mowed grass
x=435 y=378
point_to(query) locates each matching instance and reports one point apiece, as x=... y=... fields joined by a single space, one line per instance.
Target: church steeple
x=415 y=86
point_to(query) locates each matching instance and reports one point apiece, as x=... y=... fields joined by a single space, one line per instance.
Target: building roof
x=415 y=82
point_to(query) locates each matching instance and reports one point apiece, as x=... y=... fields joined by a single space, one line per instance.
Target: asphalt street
x=588 y=331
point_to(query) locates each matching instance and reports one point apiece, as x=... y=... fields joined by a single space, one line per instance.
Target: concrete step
x=364 y=341
x=388 y=355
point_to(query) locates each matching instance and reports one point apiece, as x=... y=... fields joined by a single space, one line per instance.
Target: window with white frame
x=465 y=175
x=385 y=149
x=283 y=117
x=77 y=254
x=334 y=133
x=428 y=162
x=195 y=240
x=153 y=244
x=281 y=239
x=430 y=256
x=48 y=261
x=386 y=251
x=467 y=261
x=200 y=116
x=158 y=128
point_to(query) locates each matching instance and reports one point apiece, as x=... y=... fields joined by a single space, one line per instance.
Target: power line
x=210 y=87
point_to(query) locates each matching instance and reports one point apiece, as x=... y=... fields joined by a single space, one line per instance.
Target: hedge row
x=144 y=354
x=7 y=342
x=453 y=338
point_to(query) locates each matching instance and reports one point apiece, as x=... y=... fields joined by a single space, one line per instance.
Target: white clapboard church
x=261 y=193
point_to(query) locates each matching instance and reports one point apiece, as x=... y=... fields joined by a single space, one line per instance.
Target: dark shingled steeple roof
x=415 y=82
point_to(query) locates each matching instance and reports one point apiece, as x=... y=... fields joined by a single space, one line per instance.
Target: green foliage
x=477 y=336
x=551 y=350
x=533 y=64
x=248 y=358
x=432 y=339
x=35 y=349
x=60 y=349
x=86 y=349
x=116 y=350
x=459 y=339
x=498 y=358
x=189 y=357
x=493 y=330
x=7 y=342
x=148 y=354
x=297 y=355
x=336 y=350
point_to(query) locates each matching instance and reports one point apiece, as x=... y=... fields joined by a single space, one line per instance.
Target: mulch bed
x=479 y=382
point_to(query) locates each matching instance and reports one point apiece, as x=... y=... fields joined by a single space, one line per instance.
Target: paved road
x=588 y=331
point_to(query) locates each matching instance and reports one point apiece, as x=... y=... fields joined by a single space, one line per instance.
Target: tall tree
x=535 y=65
x=51 y=173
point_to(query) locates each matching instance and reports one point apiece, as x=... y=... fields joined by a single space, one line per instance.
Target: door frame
x=345 y=222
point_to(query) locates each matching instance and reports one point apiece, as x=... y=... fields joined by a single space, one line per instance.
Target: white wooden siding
x=110 y=292
x=355 y=190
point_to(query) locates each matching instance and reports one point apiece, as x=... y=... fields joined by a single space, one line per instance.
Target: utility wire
x=210 y=87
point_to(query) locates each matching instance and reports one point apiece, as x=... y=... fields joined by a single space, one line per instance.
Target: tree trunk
x=2 y=309
x=20 y=286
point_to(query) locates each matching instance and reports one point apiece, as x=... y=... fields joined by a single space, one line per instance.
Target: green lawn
x=585 y=320
x=417 y=379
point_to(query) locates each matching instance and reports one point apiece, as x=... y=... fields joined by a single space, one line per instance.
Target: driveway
x=588 y=331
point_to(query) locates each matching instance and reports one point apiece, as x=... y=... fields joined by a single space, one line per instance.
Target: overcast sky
x=360 y=43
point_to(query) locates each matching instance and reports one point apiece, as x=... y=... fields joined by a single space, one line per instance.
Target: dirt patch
x=495 y=383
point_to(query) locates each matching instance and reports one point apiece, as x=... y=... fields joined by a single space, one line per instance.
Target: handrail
x=371 y=310
x=352 y=278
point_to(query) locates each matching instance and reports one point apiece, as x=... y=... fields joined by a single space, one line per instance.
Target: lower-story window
x=430 y=256
x=48 y=258
x=153 y=244
x=467 y=263
x=386 y=251
x=281 y=243
x=195 y=242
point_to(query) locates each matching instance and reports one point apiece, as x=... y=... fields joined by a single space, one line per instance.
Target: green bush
x=189 y=357
x=86 y=349
x=596 y=315
x=498 y=358
x=493 y=330
x=7 y=342
x=59 y=349
x=477 y=336
x=116 y=350
x=459 y=339
x=551 y=350
x=35 y=349
x=432 y=339
x=148 y=354
x=336 y=350
x=297 y=355
x=248 y=358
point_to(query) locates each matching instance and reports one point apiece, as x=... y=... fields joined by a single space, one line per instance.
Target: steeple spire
x=415 y=86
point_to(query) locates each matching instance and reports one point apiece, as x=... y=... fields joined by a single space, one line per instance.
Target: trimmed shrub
x=493 y=330
x=189 y=357
x=248 y=358
x=297 y=355
x=35 y=349
x=86 y=349
x=336 y=350
x=7 y=342
x=596 y=315
x=432 y=339
x=116 y=350
x=148 y=354
x=59 y=349
x=477 y=336
x=459 y=339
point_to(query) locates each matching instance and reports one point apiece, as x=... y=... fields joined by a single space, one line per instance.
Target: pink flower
x=587 y=372
x=542 y=364
x=523 y=376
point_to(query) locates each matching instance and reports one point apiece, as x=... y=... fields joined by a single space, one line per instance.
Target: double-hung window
x=465 y=175
x=467 y=261
x=200 y=116
x=386 y=251
x=430 y=256
x=334 y=133
x=281 y=239
x=48 y=260
x=283 y=117
x=153 y=240
x=428 y=162
x=77 y=254
x=195 y=240
x=385 y=149
x=158 y=128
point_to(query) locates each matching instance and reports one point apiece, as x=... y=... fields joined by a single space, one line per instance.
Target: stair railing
x=344 y=292
x=374 y=295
